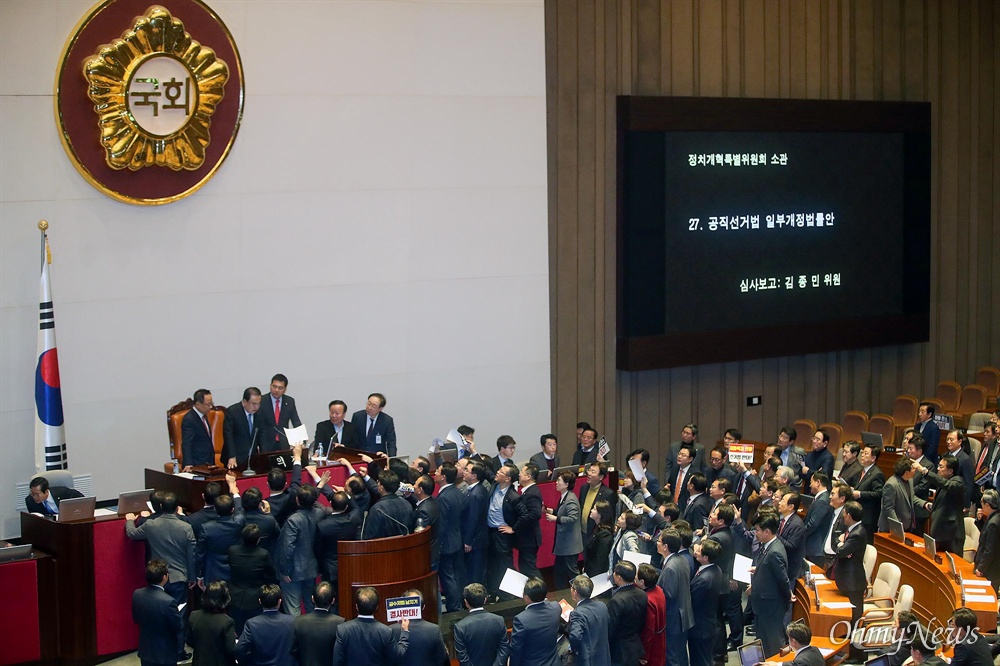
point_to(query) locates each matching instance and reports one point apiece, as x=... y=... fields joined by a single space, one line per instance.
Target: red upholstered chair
x=973 y=400
x=904 y=413
x=853 y=424
x=175 y=415
x=950 y=394
x=804 y=428
x=883 y=425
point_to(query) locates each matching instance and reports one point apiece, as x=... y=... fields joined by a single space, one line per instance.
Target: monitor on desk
x=15 y=553
x=76 y=509
x=751 y=653
x=896 y=529
x=871 y=439
x=134 y=501
x=951 y=564
x=882 y=660
x=805 y=501
x=930 y=546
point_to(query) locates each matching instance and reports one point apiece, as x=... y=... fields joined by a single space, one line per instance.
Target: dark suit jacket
x=390 y=516
x=707 y=586
x=724 y=537
x=249 y=568
x=533 y=639
x=769 y=588
x=596 y=551
x=57 y=493
x=823 y=460
x=932 y=440
x=267 y=640
x=869 y=493
x=682 y=499
x=696 y=511
x=367 y=642
x=581 y=458
x=213 y=637
x=197 y=447
x=848 y=564
x=428 y=514
x=159 y=622
x=816 y=525
x=589 y=629
x=988 y=554
x=383 y=434
x=539 y=460
x=349 y=437
x=315 y=637
x=527 y=530
x=289 y=416
x=793 y=538
x=450 y=508
x=972 y=652
x=330 y=531
x=626 y=617
x=675 y=581
x=237 y=435
x=966 y=469
x=947 y=521
x=474 y=531
x=697 y=465
x=808 y=656
x=481 y=639
x=213 y=546
x=850 y=473
x=268 y=526
x=426 y=645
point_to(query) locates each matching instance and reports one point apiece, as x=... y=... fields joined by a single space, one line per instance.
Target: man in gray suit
x=536 y=629
x=569 y=540
x=588 y=625
x=480 y=636
x=171 y=540
x=898 y=501
x=297 y=565
x=675 y=581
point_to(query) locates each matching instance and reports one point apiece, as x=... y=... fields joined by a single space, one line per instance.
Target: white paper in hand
x=637 y=558
x=637 y=471
x=297 y=435
x=602 y=583
x=741 y=568
x=513 y=583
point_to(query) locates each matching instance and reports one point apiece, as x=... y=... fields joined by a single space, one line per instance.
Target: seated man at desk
x=336 y=431
x=45 y=499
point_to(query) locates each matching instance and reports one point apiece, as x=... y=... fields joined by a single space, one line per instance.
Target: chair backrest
x=883 y=425
x=869 y=561
x=989 y=378
x=175 y=416
x=938 y=405
x=904 y=410
x=804 y=429
x=886 y=581
x=58 y=477
x=949 y=393
x=853 y=424
x=904 y=601
x=971 y=540
x=973 y=400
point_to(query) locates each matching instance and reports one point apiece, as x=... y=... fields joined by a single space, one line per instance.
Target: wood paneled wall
x=941 y=51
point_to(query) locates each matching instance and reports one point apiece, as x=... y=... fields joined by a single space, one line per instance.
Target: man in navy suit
x=527 y=530
x=277 y=412
x=929 y=431
x=241 y=429
x=451 y=567
x=699 y=504
x=707 y=589
x=652 y=483
x=335 y=431
x=819 y=517
x=364 y=641
x=376 y=428
x=160 y=622
x=627 y=613
x=536 y=629
x=589 y=625
x=475 y=537
x=216 y=536
x=43 y=498
x=848 y=568
x=769 y=584
x=316 y=632
x=675 y=581
x=792 y=533
x=799 y=639
x=197 y=447
x=480 y=637
x=426 y=645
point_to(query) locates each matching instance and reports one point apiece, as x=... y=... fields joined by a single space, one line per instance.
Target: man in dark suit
x=480 y=637
x=172 y=540
x=587 y=453
x=197 y=445
x=250 y=567
x=377 y=429
x=923 y=651
x=966 y=468
x=391 y=515
x=679 y=481
x=548 y=458
x=427 y=514
x=868 y=492
x=708 y=586
x=267 y=638
x=160 y=622
x=265 y=522
x=342 y=524
x=792 y=533
x=296 y=562
x=819 y=516
x=652 y=483
x=590 y=492
x=719 y=468
x=799 y=639
x=426 y=644
x=848 y=568
x=502 y=514
x=720 y=523
x=689 y=438
x=898 y=502
x=316 y=632
x=535 y=629
x=922 y=485
x=819 y=458
x=699 y=504
x=241 y=429
x=527 y=530
x=475 y=537
x=987 y=562
x=947 y=519
x=335 y=431
x=769 y=590
x=451 y=569
x=927 y=429
x=365 y=640
x=850 y=473
x=589 y=625
x=970 y=649
x=277 y=412
x=506 y=446
x=43 y=498
x=217 y=536
x=675 y=581
x=626 y=615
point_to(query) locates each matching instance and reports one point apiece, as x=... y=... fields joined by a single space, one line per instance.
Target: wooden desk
x=823 y=643
x=825 y=622
x=935 y=593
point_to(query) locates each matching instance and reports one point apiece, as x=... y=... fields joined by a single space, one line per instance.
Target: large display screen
x=755 y=228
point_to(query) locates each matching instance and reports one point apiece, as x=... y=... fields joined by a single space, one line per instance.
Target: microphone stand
x=249 y=470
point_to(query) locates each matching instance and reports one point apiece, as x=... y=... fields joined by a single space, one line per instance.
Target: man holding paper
x=588 y=625
x=535 y=631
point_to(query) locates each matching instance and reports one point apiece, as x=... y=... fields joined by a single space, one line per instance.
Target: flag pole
x=42 y=227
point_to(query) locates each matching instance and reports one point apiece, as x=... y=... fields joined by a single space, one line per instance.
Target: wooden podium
x=391 y=565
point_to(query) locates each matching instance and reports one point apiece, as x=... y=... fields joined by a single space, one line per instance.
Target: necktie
x=205 y=421
x=277 y=417
x=250 y=424
x=784 y=521
x=739 y=488
x=371 y=424
x=982 y=458
x=863 y=472
x=680 y=484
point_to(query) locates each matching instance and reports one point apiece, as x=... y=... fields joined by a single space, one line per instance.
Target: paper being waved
x=297 y=435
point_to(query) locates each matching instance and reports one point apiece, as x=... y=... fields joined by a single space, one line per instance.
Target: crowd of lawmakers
x=258 y=559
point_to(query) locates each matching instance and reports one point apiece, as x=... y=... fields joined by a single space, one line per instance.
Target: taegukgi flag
x=50 y=436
